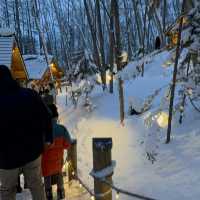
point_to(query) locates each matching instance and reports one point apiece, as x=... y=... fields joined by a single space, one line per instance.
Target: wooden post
x=101 y=160
x=72 y=160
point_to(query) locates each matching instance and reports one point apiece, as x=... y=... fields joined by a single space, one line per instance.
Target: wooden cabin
x=39 y=70
x=11 y=57
x=172 y=31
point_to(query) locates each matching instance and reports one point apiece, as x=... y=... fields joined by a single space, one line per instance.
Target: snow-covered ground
x=174 y=175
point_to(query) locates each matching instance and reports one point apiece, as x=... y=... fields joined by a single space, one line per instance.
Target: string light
x=92 y=198
x=162 y=119
x=117 y=195
x=92 y=195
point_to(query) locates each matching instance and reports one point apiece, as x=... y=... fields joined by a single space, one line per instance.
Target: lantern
x=175 y=38
x=162 y=119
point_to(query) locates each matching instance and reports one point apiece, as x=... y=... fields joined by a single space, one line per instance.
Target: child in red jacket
x=52 y=159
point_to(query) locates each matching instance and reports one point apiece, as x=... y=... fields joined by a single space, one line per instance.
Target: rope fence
x=103 y=180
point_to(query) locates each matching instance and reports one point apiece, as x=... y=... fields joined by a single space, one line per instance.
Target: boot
x=49 y=194
x=60 y=194
x=19 y=188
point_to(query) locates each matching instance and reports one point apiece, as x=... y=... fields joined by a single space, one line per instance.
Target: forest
x=128 y=70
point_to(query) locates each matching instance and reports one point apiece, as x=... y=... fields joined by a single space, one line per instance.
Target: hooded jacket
x=25 y=123
x=52 y=158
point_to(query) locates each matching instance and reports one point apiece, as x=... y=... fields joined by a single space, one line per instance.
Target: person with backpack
x=25 y=131
x=52 y=158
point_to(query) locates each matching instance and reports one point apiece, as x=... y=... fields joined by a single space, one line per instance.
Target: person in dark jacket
x=157 y=43
x=26 y=127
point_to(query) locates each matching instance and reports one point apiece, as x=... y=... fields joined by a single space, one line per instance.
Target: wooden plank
x=19 y=74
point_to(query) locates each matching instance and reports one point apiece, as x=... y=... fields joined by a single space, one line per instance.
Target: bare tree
x=115 y=7
x=174 y=76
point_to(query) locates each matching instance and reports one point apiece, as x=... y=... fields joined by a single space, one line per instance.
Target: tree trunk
x=41 y=35
x=7 y=14
x=138 y=21
x=144 y=36
x=112 y=42
x=19 y=34
x=94 y=40
x=101 y=42
x=164 y=18
x=114 y=4
x=174 y=77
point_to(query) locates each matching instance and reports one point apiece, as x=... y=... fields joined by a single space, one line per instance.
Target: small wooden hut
x=11 y=56
x=172 y=31
x=39 y=70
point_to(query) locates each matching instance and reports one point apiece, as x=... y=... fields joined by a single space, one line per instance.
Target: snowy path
x=172 y=176
x=127 y=150
x=175 y=174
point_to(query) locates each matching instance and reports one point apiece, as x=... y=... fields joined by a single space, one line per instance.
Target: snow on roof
x=6 y=47
x=7 y=32
x=36 y=65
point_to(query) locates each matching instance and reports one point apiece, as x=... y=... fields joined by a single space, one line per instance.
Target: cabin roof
x=6 y=48
x=11 y=57
x=36 y=65
x=175 y=26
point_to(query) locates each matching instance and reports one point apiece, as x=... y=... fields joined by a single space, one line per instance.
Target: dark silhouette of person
x=157 y=43
x=26 y=129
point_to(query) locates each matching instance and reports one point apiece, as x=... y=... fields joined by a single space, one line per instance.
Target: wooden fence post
x=101 y=160
x=72 y=161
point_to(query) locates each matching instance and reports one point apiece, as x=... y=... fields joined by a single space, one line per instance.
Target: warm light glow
x=98 y=78
x=175 y=38
x=108 y=78
x=185 y=20
x=53 y=67
x=124 y=57
x=14 y=50
x=92 y=198
x=167 y=63
x=117 y=196
x=162 y=119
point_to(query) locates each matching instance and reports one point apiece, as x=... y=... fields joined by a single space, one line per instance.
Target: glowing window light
x=167 y=63
x=108 y=78
x=92 y=198
x=185 y=20
x=53 y=67
x=124 y=57
x=117 y=195
x=162 y=119
x=175 y=38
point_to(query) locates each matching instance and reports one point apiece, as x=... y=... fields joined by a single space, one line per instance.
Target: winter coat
x=52 y=158
x=48 y=99
x=25 y=124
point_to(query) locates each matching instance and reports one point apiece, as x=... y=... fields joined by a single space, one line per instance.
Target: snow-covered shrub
x=83 y=78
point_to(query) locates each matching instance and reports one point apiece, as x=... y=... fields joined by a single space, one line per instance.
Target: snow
x=102 y=174
x=174 y=173
x=7 y=32
x=36 y=65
